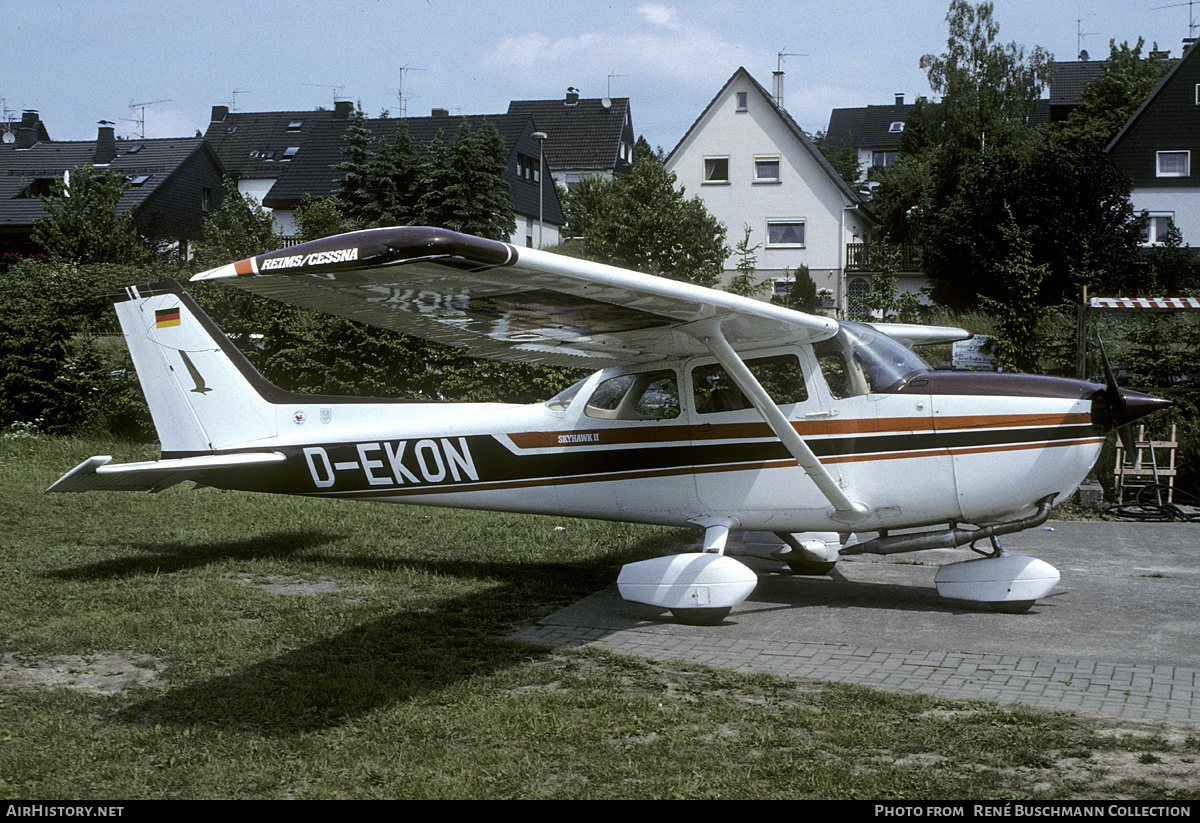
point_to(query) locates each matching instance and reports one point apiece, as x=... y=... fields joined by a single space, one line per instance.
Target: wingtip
x=239 y=269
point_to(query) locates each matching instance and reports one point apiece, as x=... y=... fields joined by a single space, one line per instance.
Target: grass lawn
x=203 y=644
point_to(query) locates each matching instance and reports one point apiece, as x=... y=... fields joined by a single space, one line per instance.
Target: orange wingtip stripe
x=244 y=267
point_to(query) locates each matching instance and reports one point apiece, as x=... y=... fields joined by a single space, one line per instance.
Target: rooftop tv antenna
x=233 y=102
x=335 y=89
x=400 y=90
x=1079 y=35
x=1191 y=14
x=141 y=119
x=777 y=92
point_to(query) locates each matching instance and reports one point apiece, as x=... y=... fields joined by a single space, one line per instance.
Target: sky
x=83 y=61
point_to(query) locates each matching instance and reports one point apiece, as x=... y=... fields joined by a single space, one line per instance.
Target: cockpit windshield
x=859 y=359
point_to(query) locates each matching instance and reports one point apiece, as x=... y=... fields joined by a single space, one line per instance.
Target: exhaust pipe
x=951 y=538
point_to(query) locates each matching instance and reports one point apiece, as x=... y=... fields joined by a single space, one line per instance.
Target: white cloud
x=658 y=48
x=659 y=15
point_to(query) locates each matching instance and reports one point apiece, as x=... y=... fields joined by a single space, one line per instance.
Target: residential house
x=754 y=167
x=585 y=137
x=873 y=132
x=279 y=158
x=1156 y=149
x=173 y=183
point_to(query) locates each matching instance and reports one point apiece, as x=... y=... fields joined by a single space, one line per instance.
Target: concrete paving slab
x=1119 y=635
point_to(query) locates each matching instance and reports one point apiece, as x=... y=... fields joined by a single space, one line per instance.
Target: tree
x=354 y=190
x=843 y=158
x=743 y=282
x=802 y=296
x=239 y=228
x=463 y=188
x=988 y=92
x=1019 y=305
x=1107 y=103
x=1073 y=210
x=80 y=222
x=641 y=221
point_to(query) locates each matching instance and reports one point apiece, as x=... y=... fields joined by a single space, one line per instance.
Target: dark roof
x=157 y=161
x=1071 y=77
x=1164 y=122
x=313 y=169
x=584 y=135
x=251 y=144
x=867 y=127
x=801 y=136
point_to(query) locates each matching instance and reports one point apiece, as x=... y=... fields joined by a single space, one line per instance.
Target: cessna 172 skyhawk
x=707 y=409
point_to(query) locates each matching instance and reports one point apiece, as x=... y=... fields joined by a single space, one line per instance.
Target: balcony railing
x=874 y=257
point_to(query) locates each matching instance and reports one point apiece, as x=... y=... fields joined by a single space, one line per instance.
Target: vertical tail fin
x=203 y=393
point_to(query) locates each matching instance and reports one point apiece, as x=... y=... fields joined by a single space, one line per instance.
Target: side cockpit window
x=644 y=396
x=781 y=377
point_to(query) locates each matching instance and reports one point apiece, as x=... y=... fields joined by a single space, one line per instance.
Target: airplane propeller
x=1122 y=406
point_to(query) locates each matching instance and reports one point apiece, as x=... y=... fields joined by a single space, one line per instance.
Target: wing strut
x=709 y=333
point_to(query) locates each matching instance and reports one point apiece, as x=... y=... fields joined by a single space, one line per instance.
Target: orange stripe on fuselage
x=744 y=431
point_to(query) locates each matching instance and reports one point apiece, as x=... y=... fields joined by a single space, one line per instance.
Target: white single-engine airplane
x=708 y=409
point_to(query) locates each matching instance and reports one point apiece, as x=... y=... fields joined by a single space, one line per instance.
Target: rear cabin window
x=645 y=396
x=781 y=377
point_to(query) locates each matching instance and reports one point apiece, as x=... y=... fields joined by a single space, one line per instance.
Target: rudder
x=202 y=392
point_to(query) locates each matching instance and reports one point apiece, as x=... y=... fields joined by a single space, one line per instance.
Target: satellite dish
x=606 y=102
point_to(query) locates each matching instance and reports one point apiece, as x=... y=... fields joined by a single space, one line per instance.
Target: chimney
x=777 y=87
x=27 y=131
x=572 y=97
x=219 y=113
x=106 y=144
x=342 y=109
x=900 y=99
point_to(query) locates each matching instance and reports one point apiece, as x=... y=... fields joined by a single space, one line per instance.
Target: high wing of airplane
x=705 y=409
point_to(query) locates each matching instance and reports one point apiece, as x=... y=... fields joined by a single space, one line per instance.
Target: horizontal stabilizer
x=97 y=473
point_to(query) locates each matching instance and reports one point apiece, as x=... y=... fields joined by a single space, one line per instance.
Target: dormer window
x=295 y=125
x=139 y=180
x=289 y=153
x=896 y=127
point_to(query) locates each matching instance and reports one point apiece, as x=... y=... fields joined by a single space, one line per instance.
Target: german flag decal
x=164 y=318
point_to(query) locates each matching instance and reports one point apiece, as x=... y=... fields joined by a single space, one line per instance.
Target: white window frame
x=1152 y=238
x=1187 y=161
x=768 y=159
x=742 y=98
x=784 y=221
x=709 y=180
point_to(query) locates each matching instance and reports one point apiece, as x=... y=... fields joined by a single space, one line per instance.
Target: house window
x=716 y=169
x=884 y=158
x=289 y=153
x=205 y=199
x=1157 y=229
x=742 y=98
x=1174 y=163
x=766 y=169
x=788 y=233
x=896 y=127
